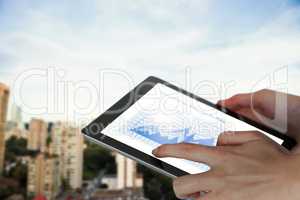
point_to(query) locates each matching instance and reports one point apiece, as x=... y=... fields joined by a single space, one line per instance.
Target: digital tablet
x=156 y=112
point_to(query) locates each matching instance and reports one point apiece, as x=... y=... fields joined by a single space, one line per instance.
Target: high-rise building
x=43 y=167
x=4 y=95
x=37 y=135
x=127 y=176
x=43 y=176
x=16 y=115
x=67 y=143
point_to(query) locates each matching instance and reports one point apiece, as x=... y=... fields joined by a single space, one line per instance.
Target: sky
x=71 y=59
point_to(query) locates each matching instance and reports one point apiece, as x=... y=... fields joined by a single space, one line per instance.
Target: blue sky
x=219 y=41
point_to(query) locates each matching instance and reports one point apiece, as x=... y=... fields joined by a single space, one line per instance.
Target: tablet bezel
x=93 y=130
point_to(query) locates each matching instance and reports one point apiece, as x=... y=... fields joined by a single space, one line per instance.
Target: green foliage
x=19 y=174
x=49 y=140
x=15 y=147
x=65 y=185
x=30 y=196
x=6 y=192
x=156 y=186
x=96 y=159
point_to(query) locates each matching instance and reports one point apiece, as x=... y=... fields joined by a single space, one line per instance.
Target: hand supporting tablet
x=157 y=113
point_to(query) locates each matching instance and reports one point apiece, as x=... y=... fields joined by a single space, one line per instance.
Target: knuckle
x=223 y=154
x=220 y=174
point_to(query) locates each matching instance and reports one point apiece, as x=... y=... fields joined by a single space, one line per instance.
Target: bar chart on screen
x=172 y=129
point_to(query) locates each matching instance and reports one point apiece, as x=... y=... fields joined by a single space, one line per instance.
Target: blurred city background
x=63 y=62
x=51 y=160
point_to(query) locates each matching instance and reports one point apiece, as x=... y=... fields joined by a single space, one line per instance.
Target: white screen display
x=166 y=116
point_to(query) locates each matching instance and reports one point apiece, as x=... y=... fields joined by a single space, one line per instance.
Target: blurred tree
x=49 y=141
x=15 y=147
x=96 y=159
x=156 y=186
x=6 y=192
x=65 y=185
x=19 y=172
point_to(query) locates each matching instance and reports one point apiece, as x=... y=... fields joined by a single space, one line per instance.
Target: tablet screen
x=166 y=116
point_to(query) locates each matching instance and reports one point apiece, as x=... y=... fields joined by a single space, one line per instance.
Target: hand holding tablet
x=156 y=113
x=245 y=165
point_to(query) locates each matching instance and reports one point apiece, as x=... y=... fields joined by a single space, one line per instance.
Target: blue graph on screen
x=145 y=125
x=153 y=133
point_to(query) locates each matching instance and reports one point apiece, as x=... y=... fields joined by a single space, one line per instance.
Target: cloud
x=218 y=42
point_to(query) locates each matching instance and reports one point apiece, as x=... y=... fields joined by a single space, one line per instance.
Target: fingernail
x=155 y=151
x=221 y=102
x=227 y=133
